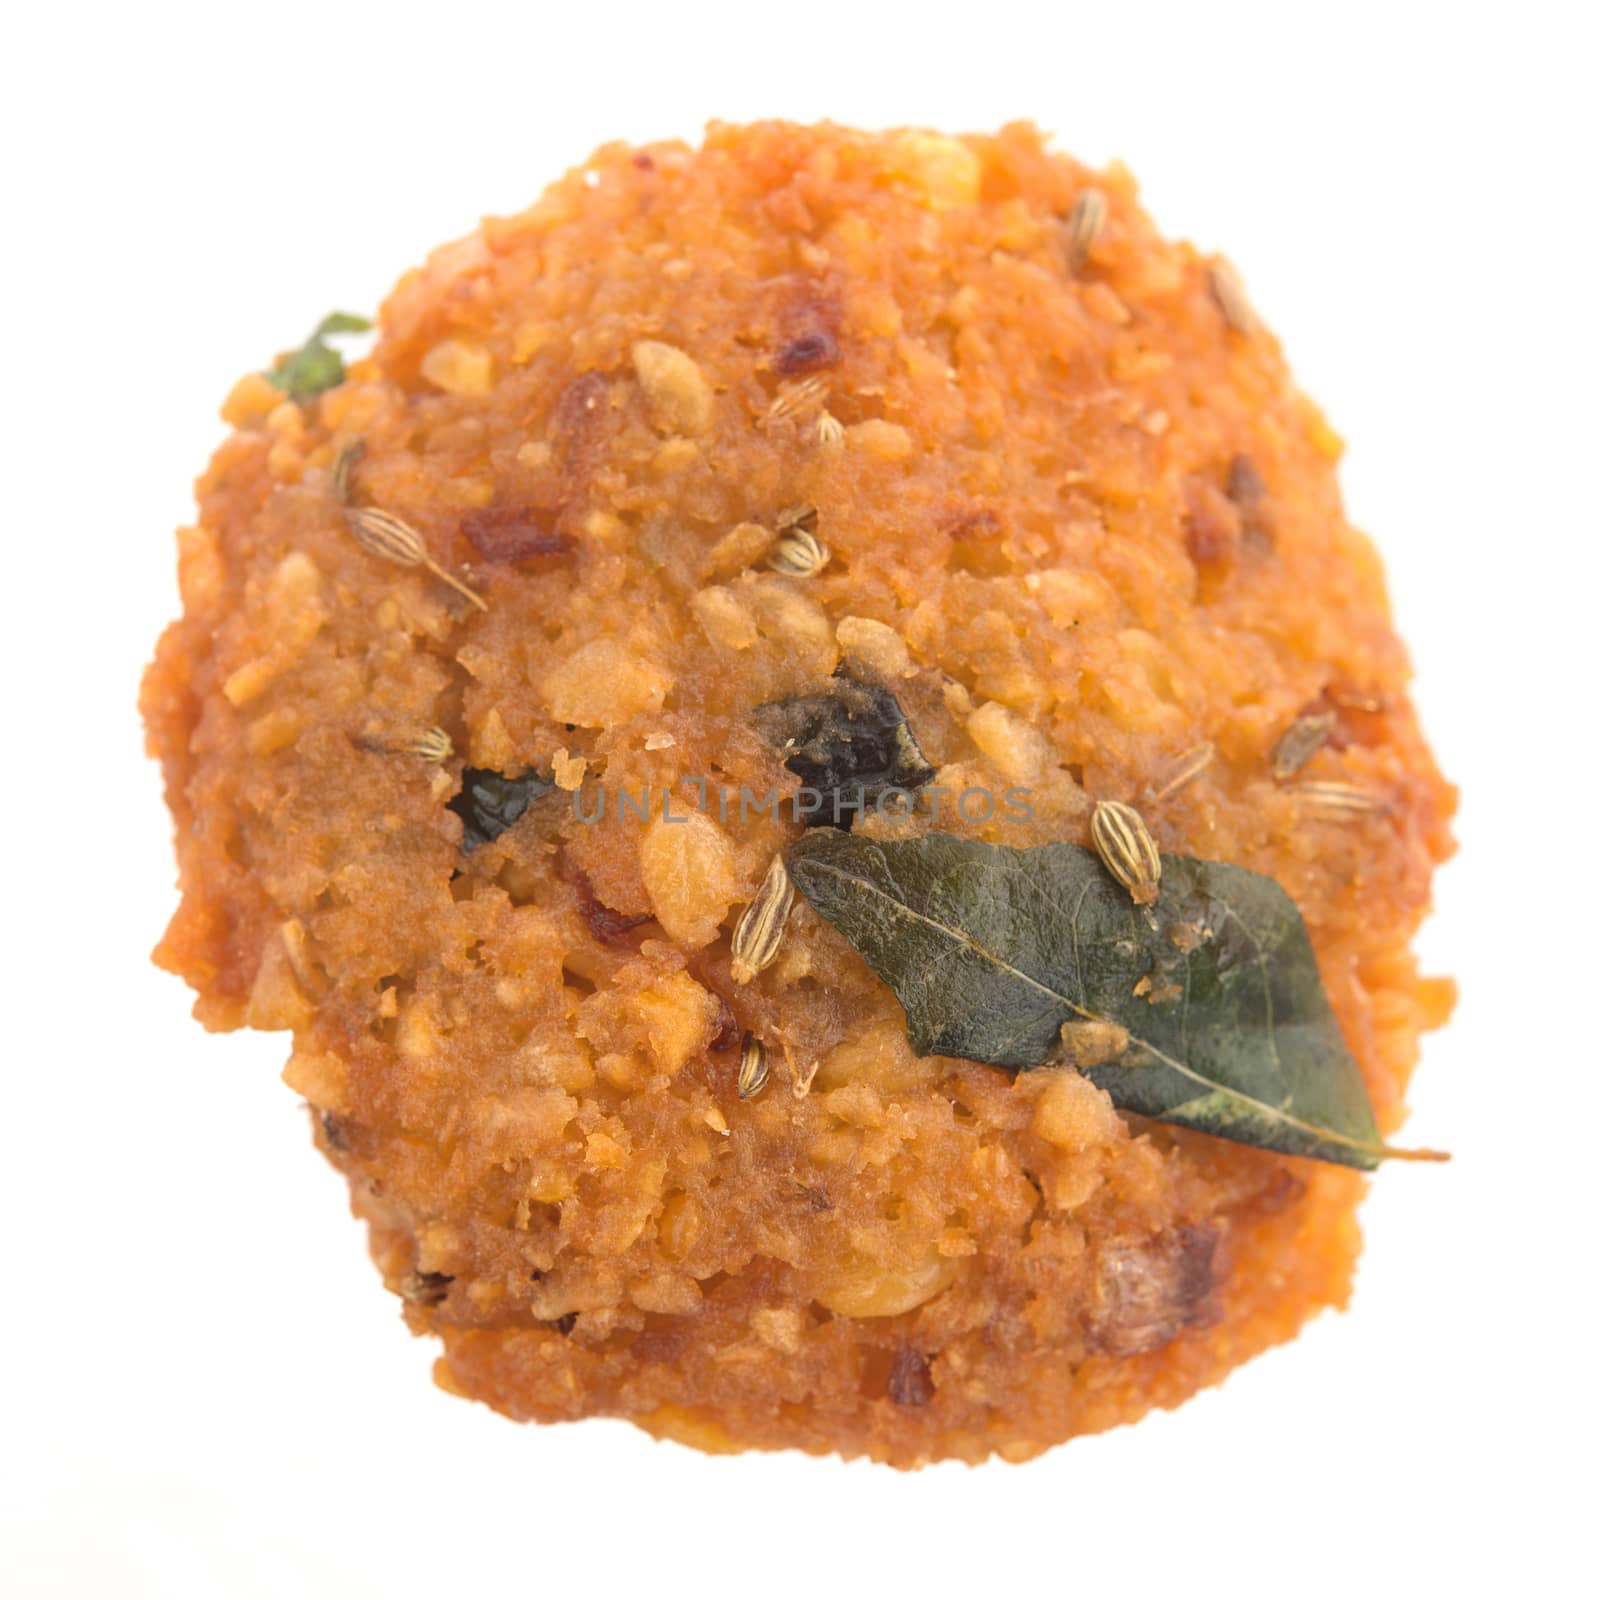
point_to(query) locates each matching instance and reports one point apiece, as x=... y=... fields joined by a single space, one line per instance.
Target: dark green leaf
x=316 y=365
x=849 y=747
x=991 y=950
x=490 y=802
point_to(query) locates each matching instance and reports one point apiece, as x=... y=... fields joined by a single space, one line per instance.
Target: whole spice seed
x=760 y=929
x=753 y=1067
x=1229 y=294
x=344 y=465
x=1301 y=740
x=1084 y=222
x=1338 y=799
x=1187 y=768
x=813 y=389
x=382 y=534
x=1128 y=851
x=799 y=553
x=425 y=1288
x=830 y=430
x=802 y=517
x=430 y=744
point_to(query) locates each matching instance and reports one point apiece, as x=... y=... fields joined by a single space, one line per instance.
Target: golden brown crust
x=1076 y=521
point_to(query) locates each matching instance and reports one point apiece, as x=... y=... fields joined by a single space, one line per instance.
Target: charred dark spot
x=1211 y=524
x=333 y=1132
x=1362 y=702
x=564 y=1324
x=425 y=1288
x=850 y=746
x=662 y=1344
x=644 y=161
x=1362 y=717
x=1246 y=487
x=978 y=523
x=490 y=802
x=806 y=352
x=1149 y=1293
x=1323 y=705
x=813 y=1196
x=978 y=543
x=504 y=534
x=728 y=1032
x=1283 y=1190
x=1248 y=491
x=604 y=922
x=575 y=425
x=910 y=1381
x=806 y=315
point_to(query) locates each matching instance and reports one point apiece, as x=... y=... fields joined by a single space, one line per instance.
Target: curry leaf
x=316 y=365
x=1212 y=999
x=490 y=802
x=850 y=747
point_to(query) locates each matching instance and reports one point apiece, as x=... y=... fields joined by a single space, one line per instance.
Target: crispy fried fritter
x=1072 y=513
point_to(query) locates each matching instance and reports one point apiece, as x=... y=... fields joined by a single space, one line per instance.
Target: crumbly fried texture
x=1079 y=525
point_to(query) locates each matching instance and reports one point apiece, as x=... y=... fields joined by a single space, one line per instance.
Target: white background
x=206 y=1392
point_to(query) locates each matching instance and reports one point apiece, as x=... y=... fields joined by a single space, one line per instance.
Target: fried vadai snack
x=827 y=797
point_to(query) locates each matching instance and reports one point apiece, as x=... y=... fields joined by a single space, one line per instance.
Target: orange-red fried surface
x=1078 y=520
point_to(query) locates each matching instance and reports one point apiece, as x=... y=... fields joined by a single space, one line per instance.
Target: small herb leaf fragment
x=490 y=802
x=316 y=365
x=993 y=950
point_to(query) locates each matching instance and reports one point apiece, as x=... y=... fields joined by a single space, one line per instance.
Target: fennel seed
x=344 y=465
x=759 y=932
x=1229 y=294
x=1338 y=799
x=429 y=744
x=1127 y=850
x=1084 y=222
x=798 y=398
x=432 y=744
x=425 y=1288
x=802 y=517
x=753 y=1067
x=799 y=553
x=1301 y=740
x=382 y=534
